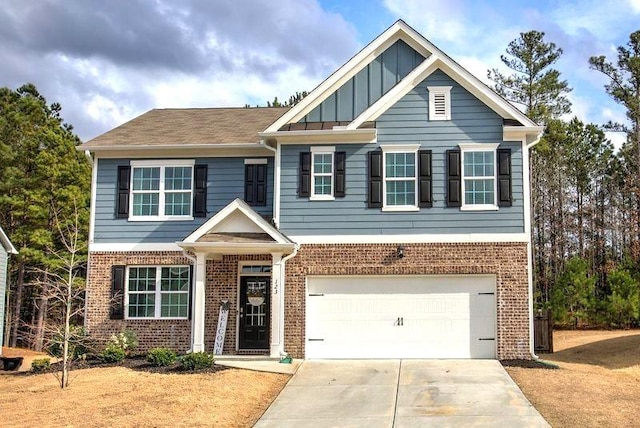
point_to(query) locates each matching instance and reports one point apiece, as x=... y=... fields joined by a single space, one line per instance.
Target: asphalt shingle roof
x=163 y=127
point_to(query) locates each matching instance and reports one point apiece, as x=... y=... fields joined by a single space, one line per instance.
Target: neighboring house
x=6 y=249
x=386 y=215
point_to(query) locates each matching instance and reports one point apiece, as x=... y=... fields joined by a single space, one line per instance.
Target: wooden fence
x=543 y=332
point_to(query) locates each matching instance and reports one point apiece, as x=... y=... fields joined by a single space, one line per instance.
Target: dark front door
x=254 y=312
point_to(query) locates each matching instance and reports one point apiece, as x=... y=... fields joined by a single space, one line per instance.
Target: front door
x=254 y=312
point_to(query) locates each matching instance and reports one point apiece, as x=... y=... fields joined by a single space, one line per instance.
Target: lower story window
x=158 y=291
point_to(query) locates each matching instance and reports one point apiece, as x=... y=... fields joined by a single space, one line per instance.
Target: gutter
x=115 y=147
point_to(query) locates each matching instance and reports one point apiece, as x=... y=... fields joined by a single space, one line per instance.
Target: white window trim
x=477 y=147
x=253 y=161
x=399 y=148
x=158 y=293
x=322 y=150
x=162 y=164
x=439 y=90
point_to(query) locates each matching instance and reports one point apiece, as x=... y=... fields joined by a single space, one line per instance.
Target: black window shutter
x=255 y=184
x=304 y=175
x=504 y=178
x=191 y=287
x=124 y=183
x=200 y=191
x=261 y=184
x=249 y=184
x=375 y=179
x=424 y=179
x=117 y=292
x=339 y=170
x=454 y=179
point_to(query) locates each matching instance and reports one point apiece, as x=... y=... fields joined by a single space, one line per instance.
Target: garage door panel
x=401 y=317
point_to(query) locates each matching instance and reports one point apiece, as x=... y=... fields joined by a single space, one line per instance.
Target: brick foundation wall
x=508 y=261
x=221 y=284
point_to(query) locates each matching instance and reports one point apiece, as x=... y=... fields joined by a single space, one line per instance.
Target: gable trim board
x=400 y=31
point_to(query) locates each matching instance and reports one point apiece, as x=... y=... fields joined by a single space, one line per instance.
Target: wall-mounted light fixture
x=400 y=251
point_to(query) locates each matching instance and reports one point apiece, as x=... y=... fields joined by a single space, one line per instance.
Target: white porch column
x=197 y=319
x=277 y=307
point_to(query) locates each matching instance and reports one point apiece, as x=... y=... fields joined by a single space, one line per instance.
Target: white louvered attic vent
x=439 y=102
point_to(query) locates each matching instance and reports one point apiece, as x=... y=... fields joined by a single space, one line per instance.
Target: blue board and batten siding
x=368 y=85
x=225 y=183
x=407 y=123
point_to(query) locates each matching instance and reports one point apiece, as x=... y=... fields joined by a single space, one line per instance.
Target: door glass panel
x=256 y=306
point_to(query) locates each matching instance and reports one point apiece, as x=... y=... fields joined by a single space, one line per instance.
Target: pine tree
x=42 y=174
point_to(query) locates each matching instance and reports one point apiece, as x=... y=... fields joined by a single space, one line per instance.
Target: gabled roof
x=188 y=127
x=237 y=229
x=435 y=59
x=8 y=246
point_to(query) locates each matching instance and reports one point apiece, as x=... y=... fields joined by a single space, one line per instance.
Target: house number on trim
x=275 y=287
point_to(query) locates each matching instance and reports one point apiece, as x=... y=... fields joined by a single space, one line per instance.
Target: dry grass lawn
x=598 y=384
x=126 y=398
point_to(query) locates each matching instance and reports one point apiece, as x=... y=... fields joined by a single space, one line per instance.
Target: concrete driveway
x=401 y=393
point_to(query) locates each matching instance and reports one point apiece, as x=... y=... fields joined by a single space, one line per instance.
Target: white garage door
x=401 y=317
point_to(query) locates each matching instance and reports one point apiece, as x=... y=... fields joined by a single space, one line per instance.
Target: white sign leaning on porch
x=222 y=327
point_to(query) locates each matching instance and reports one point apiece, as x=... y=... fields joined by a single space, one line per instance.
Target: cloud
x=635 y=5
x=106 y=62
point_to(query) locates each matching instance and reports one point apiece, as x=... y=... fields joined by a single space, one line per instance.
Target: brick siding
x=221 y=284
x=508 y=261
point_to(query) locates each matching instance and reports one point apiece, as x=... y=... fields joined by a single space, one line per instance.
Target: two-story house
x=384 y=216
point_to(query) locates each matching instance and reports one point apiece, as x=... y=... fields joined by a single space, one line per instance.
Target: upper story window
x=479 y=177
x=322 y=174
x=439 y=102
x=157 y=292
x=158 y=190
x=400 y=178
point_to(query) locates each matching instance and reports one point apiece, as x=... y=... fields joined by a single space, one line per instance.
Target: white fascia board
x=144 y=147
x=160 y=152
x=92 y=203
x=237 y=248
x=411 y=239
x=410 y=81
x=325 y=136
x=529 y=134
x=6 y=243
x=399 y=30
x=481 y=91
x=132 y=246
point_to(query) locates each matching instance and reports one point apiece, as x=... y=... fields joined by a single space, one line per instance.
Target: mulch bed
x=136 y=362
x=529 y=364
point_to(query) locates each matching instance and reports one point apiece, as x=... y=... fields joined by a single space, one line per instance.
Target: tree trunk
x=43 y=305
x=18 y=305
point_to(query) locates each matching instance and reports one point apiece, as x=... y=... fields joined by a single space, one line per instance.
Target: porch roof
x=237 y=229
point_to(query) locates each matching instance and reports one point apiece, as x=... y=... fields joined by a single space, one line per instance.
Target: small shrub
x=40 y=365
x=197 y=361
x=161 y=357
x=125 y=340
x=113 y=354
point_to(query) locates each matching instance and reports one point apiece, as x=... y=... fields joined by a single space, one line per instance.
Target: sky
x=107 y=62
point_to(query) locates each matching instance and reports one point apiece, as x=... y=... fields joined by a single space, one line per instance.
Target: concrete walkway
x=401 y=393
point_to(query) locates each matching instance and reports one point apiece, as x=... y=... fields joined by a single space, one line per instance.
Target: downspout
x=283 y=262
x=529 y=146
x=276 y=182
x=193 y=301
